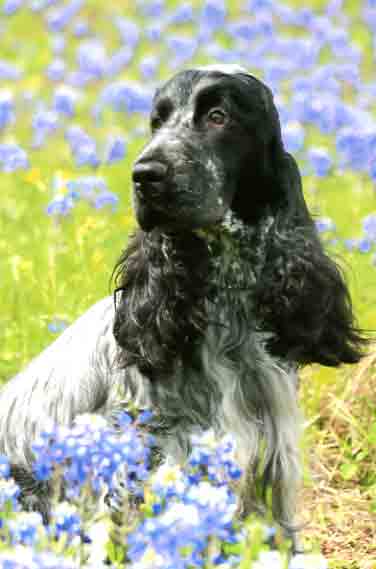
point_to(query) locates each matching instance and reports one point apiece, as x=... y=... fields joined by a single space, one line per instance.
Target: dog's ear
x=302 y=294
x=283 y=170
x=269 y=179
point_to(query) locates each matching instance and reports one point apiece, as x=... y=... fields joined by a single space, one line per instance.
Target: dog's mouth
x=155 y=210
x=177 y=197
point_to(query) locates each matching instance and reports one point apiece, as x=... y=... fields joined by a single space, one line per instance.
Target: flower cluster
x=91 y=189
x=187 y=517
x=9 y=493
x=93 y=452
x=28 y=558
x=192 y=508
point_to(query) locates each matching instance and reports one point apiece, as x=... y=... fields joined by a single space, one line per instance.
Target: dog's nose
x=151 y=172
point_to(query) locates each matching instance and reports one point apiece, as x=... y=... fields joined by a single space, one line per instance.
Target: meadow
x=76 y=82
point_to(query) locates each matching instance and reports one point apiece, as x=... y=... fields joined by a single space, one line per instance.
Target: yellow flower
x=33 y=176
x=89 y=223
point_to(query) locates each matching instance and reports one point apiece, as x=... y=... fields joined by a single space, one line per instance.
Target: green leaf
x=349 y=470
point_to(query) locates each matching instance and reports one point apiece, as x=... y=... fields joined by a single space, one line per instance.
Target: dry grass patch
x=339 y=501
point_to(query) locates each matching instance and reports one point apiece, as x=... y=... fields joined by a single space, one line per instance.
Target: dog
x=223 y=292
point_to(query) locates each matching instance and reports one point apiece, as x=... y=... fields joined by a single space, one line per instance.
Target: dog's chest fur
x=226 y=380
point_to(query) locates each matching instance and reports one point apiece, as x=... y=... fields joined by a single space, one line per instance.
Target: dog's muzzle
x=150 y=191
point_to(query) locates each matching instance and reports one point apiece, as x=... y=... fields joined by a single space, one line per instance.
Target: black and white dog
x=224 y=292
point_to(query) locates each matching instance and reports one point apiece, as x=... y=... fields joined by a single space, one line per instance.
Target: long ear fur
x=302 y=293
x=163 y=283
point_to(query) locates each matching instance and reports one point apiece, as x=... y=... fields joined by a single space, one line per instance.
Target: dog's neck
x=167 y=282
x=237 y=252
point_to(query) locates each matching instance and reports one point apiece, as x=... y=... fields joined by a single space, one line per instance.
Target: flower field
x=76 y=82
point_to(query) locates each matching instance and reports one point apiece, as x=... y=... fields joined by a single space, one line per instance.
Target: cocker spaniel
x=224 y=291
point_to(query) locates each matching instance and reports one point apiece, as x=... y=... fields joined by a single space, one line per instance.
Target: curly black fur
x=164 y=284
x=302 y=296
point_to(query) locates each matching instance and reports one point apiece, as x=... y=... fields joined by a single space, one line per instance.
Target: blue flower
x=350 y=244
x=369 y=15
x=182 y=14
x=65 y=520
x=149 y=66
x=293 y=135
x=356 y=147
x=153 y=31
x=26 y=528
x=372 y=169
x=56 y=70
x=9 y=493
x=256 y=5
x=144 y=417
x=9 y=72
x=59 y=206
x=39 y=5
x=6 y=108
x=92 y=59
x=334 y=7
x=213 y=15
x=325 y=225
x=369 y=226
x=83 y=147
x=115 y=149
x=58 y=44
x=128 y=30
x=183 y=49
x=4 y=466
x=347 y=72
x=106 y=199
x=118 y=60
x=152 y=8
x=12 y=158
x=86 y=187
x=242 y=29
x=93 y=452
x=81 y=28
x=26 y=557
x=323 y=78
x=57 y=325
x=44 y=123
x=11 y=6
x=177 y=537
x=92 y=189
x=64 y=101
x=216 y=456
x=320 y=161
x=276 y=69
x=127 y=96
x=364 y=245
x=59 y=18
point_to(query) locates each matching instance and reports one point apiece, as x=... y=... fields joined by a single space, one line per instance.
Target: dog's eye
x=216 y=117
x=155 y=123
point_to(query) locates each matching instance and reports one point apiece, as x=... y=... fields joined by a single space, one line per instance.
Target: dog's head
x=215 y=144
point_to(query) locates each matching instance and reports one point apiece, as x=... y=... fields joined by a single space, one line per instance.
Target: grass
x=56 y=269
x=339 y=500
